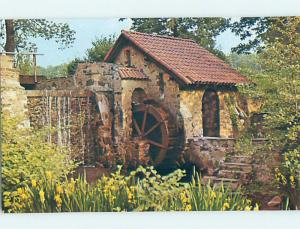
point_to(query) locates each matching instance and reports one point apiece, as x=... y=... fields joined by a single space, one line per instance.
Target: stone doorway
x=210 y=114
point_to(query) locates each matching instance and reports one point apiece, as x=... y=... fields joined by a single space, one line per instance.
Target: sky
x=88 y=29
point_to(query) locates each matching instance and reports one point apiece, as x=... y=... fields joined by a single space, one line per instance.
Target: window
x=210 y=114
x=128 y=58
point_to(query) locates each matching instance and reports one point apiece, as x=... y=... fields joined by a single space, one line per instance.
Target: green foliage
x=100 y=47
x=203 y=30
x=142 y=190
x=72 y=66
x=288 y=176
x=277 y=85
x=53 y=71
x=26 y=29
x=244 y=61
x=256 y=32
x=252 y=31
x=26 y=155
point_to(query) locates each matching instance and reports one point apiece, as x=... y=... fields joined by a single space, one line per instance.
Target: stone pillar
x=13 y=95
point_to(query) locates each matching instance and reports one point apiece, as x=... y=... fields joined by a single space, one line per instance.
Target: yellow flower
x=20 y=191
x=184 y=197
x=256 y=208
x=188 y=207
x=213 y=194
x=42 y=196
x=247 y=208
x=59 y=189
x=225 y=206
x=33 y=183
x=23 y=196
x=49 y=174
x=58 y=200
x=292 y=179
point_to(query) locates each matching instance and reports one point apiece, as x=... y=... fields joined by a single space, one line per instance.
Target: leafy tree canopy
x=255 y=32
x=100 y=47
x=23 y=30
x=277 y=84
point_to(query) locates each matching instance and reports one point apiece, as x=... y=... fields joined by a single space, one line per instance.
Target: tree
x=100 y=47
x=203 y=30
x=254 y=32
x=277 y=85
x=18 y=33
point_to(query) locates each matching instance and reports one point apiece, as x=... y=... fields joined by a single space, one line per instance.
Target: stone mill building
x=155 y=100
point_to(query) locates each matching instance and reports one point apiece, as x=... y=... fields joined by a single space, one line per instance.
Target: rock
x=275 y=201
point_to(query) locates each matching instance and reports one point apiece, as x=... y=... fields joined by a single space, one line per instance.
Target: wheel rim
x=149 y=125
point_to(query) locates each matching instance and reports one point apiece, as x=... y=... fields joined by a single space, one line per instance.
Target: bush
x=288 y=176
x=26 y=155
x=142 y=190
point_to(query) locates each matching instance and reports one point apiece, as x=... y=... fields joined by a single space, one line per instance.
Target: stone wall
x=13 y=95
x=160 y=86
x=191 y=110
x=206 y=153
x=60 y=83
x=73 y=118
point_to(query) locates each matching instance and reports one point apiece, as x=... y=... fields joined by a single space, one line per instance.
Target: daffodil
x=33 y=183
x=58 y=200
x=59 y=189
x=225 y=206
x=49 y=174
x=247 y=208
x=42 y=196
x=188 y=207
x=20 y=191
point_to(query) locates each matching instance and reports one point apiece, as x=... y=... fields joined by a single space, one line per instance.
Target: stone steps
x=217 y=181
x=233 y=172
x=237 y=166
x=240 y=159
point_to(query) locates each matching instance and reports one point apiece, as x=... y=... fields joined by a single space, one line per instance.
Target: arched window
x=210 y=114
x=138 y=96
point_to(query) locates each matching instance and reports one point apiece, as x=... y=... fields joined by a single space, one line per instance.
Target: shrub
x=142 y=190
x=26 y=155
x=288 y=176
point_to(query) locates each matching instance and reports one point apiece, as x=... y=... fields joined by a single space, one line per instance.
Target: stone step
x=216 y=181
x=239 y=159
x=237 y=166
x=232 y=185
x=234 y=174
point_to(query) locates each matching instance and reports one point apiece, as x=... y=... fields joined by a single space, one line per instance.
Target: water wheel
x=153 y=125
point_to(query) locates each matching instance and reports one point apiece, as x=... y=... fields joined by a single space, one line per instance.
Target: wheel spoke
x=152 y=128
x=156 y=144
x=137 y=127
x=144 y=121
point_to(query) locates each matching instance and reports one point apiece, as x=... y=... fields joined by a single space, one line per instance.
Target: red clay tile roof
x=183 y=57
x=131 y=73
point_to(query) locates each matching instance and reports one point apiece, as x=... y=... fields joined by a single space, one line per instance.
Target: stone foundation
x=207 y=153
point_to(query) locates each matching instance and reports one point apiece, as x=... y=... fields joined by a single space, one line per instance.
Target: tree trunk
x=10 y=36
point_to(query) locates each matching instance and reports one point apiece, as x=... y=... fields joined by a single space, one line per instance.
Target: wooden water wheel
x=153 y=125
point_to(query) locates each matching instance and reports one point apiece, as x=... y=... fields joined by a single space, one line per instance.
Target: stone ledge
x=66 y=93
